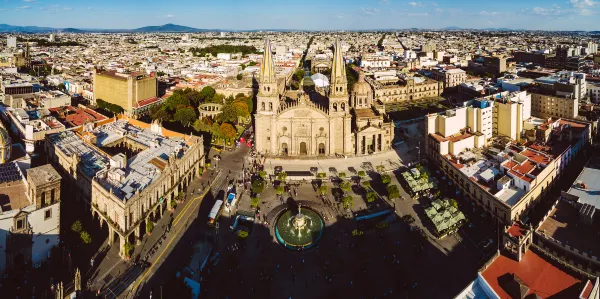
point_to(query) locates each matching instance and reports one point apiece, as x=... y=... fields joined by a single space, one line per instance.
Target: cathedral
x=341 y=123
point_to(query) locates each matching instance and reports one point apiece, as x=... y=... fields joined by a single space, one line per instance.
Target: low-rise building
x=29 y=215
x=450 y=77
x=127 y=171
x=31 y=125
x=402 y=90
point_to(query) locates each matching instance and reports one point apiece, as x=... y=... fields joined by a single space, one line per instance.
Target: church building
x=345 y=124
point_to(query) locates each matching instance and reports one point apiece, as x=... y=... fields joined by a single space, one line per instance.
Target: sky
x=305 y=14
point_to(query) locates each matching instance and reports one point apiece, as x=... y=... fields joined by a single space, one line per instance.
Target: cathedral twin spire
x=338 y=69
x=267 y=69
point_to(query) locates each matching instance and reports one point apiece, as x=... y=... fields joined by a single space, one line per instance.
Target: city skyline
x=310 y=15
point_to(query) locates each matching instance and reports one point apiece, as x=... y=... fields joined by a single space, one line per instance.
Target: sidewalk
x=391 y=160
x=108 y=269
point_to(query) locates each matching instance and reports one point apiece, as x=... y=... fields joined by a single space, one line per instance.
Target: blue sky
x=306 y=14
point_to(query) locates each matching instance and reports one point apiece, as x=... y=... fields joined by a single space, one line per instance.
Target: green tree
x=393 y=191
x=366 y=184
x=77 y=226
x=322 y=190
x=424 y=176
x=254 y=202
x=252 y=63
x=194 y=97
x=185 y=116
x=341 y=175
x=204 y=124
x=158 y=112
x=60 y=87
x=128 y=249
x=346 y=186
x=85 y=237
x=208 y=93
x=176 y=101
x=258 y=186
x=362 y=173
x=347 y=202
x=371 y=196
x=239 y=76
x=386 y=179
x=279 y=190
x=282 y=176
x=149 y=226
x=262 y=174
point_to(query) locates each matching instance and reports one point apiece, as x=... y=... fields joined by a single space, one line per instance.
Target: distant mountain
x=147 y=29
x=25 y=29
x=168 y=28
x=452 y=28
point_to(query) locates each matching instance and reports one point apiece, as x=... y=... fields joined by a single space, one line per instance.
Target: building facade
x=125 y=90
x=302 y=127
x=449 y=77
x=30 y=223
x=123 y=193
x=504 y=176
x=415 y=88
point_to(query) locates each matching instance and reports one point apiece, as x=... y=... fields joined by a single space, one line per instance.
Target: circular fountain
x=301 y=229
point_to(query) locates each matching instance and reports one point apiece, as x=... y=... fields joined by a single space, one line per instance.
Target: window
x=47 y=214
x=20 y=224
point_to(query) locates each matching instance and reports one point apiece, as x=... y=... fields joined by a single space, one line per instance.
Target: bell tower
x=268 y=96
x=338 y=89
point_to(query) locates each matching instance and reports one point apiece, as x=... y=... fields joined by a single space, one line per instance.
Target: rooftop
x=13 y=191
x=534 y=275
x=42 y=175
x=563 y=224
x=74 y=117
x=587 y=185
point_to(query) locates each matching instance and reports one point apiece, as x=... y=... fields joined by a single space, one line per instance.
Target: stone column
x=137 y=232
x=122 y=241
x=111 y=235
x=274 y=144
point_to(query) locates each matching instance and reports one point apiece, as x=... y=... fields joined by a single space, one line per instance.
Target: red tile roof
x=587 y=290
x=541 y=277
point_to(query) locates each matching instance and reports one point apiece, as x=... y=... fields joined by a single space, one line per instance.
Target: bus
x=215 y=212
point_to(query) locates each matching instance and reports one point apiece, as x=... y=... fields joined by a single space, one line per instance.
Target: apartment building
x=125 y=90
x=558 y=95
x=503 y=175
x=450 y=77
x=488 y=64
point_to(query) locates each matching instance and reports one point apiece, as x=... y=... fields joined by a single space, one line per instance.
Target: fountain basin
x=299 y=232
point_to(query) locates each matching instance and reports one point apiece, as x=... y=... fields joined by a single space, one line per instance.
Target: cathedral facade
x=302 y=127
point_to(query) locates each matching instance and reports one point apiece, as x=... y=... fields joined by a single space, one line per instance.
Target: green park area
x=182 y=108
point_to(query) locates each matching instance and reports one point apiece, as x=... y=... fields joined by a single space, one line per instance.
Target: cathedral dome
x=361 y=87
x=5 y=145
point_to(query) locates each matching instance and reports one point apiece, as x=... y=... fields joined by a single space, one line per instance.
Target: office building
x=125 y=90
x=558 y=95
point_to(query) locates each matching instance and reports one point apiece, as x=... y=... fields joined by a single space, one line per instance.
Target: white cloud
x=56 y=8
x=169 y=16
x=384 y=1
x=490 y=13
x=553 y=11
x=342 y=15
x=369 y=11
x=23 y=7
x=584 y=7
x=29 y=1
x=418 y=14
x=415 y=4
